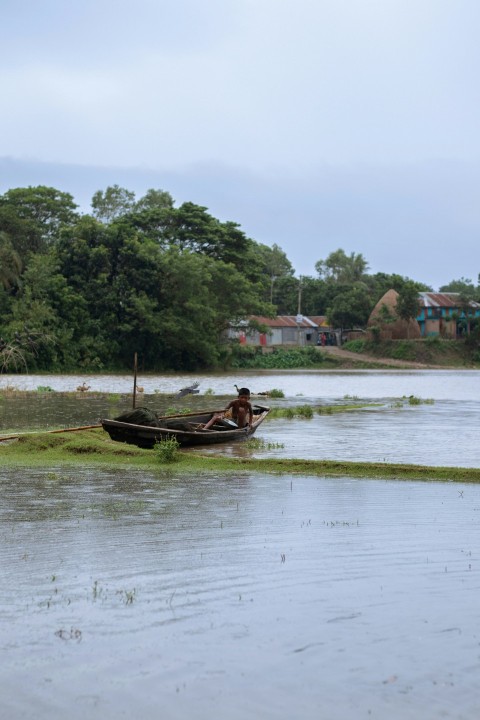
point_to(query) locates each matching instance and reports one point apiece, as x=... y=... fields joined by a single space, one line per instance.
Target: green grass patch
x=94 y=447
x=414 y=400
x=276 y=393
x=307 y=411
x=434 y=350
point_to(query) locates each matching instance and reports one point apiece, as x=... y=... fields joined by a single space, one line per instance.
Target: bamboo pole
x=38 y=432
x=134 y=380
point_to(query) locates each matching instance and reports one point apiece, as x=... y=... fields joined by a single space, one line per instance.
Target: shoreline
x=93 y=447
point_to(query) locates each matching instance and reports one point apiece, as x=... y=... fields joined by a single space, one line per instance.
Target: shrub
x=404 y=350
x=357 y=346
x=167 y=450
x=279 y=358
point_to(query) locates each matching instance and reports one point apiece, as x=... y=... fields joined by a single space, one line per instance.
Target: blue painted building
x=442 y=314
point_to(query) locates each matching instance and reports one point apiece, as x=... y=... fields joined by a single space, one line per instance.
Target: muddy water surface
x=125 y=594
x=129 y=594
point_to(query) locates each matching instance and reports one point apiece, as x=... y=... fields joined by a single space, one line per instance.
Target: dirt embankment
x=357 y=358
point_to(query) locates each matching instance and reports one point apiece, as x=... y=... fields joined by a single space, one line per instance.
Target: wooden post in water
x=134 y=380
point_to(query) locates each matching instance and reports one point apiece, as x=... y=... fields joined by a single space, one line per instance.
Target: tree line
x=88 y=290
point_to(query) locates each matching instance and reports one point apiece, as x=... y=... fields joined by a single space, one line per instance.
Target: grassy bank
x=429 y=351
x=94 y=447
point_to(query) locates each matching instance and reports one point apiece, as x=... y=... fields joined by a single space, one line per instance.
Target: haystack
x=396 y=329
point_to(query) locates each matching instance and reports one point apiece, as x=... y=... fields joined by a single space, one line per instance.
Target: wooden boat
x=187 y=429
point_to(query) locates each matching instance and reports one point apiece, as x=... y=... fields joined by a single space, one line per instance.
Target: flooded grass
x=95 y=447
x=307 y=411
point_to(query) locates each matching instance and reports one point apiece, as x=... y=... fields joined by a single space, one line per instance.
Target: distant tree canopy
x=87 y=291
x=135 y=276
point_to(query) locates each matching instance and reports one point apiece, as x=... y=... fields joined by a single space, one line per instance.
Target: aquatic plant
x=259 y=444
x=128 y=596
x=305 y=411
x=177 y=411
x=166 y=450
x=276 y=393
x=44 y=388
x=413 y=400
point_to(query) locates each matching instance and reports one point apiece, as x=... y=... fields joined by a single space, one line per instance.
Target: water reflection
x=259 y=596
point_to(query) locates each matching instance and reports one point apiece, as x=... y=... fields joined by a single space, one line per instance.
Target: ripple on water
x=241 y=595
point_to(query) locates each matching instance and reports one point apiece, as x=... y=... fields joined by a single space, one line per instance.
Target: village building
x=439 y=314
x=444 y=314
x=284 y=331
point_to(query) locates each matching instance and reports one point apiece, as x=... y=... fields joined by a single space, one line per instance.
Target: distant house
x=439 y=314
x=284 y=330
x=443 y=314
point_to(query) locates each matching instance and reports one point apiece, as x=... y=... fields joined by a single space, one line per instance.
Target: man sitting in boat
x=241 y=408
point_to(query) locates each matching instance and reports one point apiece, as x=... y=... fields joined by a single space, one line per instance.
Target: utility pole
x=299 y=318
x=299 y=307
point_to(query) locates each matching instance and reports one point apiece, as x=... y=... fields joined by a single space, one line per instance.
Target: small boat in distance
x=144 y=428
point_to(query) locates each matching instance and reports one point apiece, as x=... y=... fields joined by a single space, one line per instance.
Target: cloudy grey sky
x=314 y=124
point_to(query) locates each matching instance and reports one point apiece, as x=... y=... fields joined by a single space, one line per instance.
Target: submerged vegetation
x=93 y=447
x=308 y=411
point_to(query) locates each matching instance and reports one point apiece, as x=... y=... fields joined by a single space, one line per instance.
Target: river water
x=128 y=593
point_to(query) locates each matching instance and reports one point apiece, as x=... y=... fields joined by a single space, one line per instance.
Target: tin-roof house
x=282 y=330
x=446 y=315
x=439 y=314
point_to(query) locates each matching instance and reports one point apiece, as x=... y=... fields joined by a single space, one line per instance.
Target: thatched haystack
x=389 y=325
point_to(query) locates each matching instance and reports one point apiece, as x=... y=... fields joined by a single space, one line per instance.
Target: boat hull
x=183 y=429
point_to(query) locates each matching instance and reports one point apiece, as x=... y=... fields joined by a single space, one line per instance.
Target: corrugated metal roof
x=285 y=321
x=320 y=320
x=445 y=300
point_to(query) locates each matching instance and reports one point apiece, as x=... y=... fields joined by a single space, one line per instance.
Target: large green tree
x=350 y=308
x=276 y=264
x=112 y=203
x=34 y=216
x=342 y=268
x=407 y=306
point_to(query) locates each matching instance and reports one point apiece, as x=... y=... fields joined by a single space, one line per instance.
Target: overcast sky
x=314 y=124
